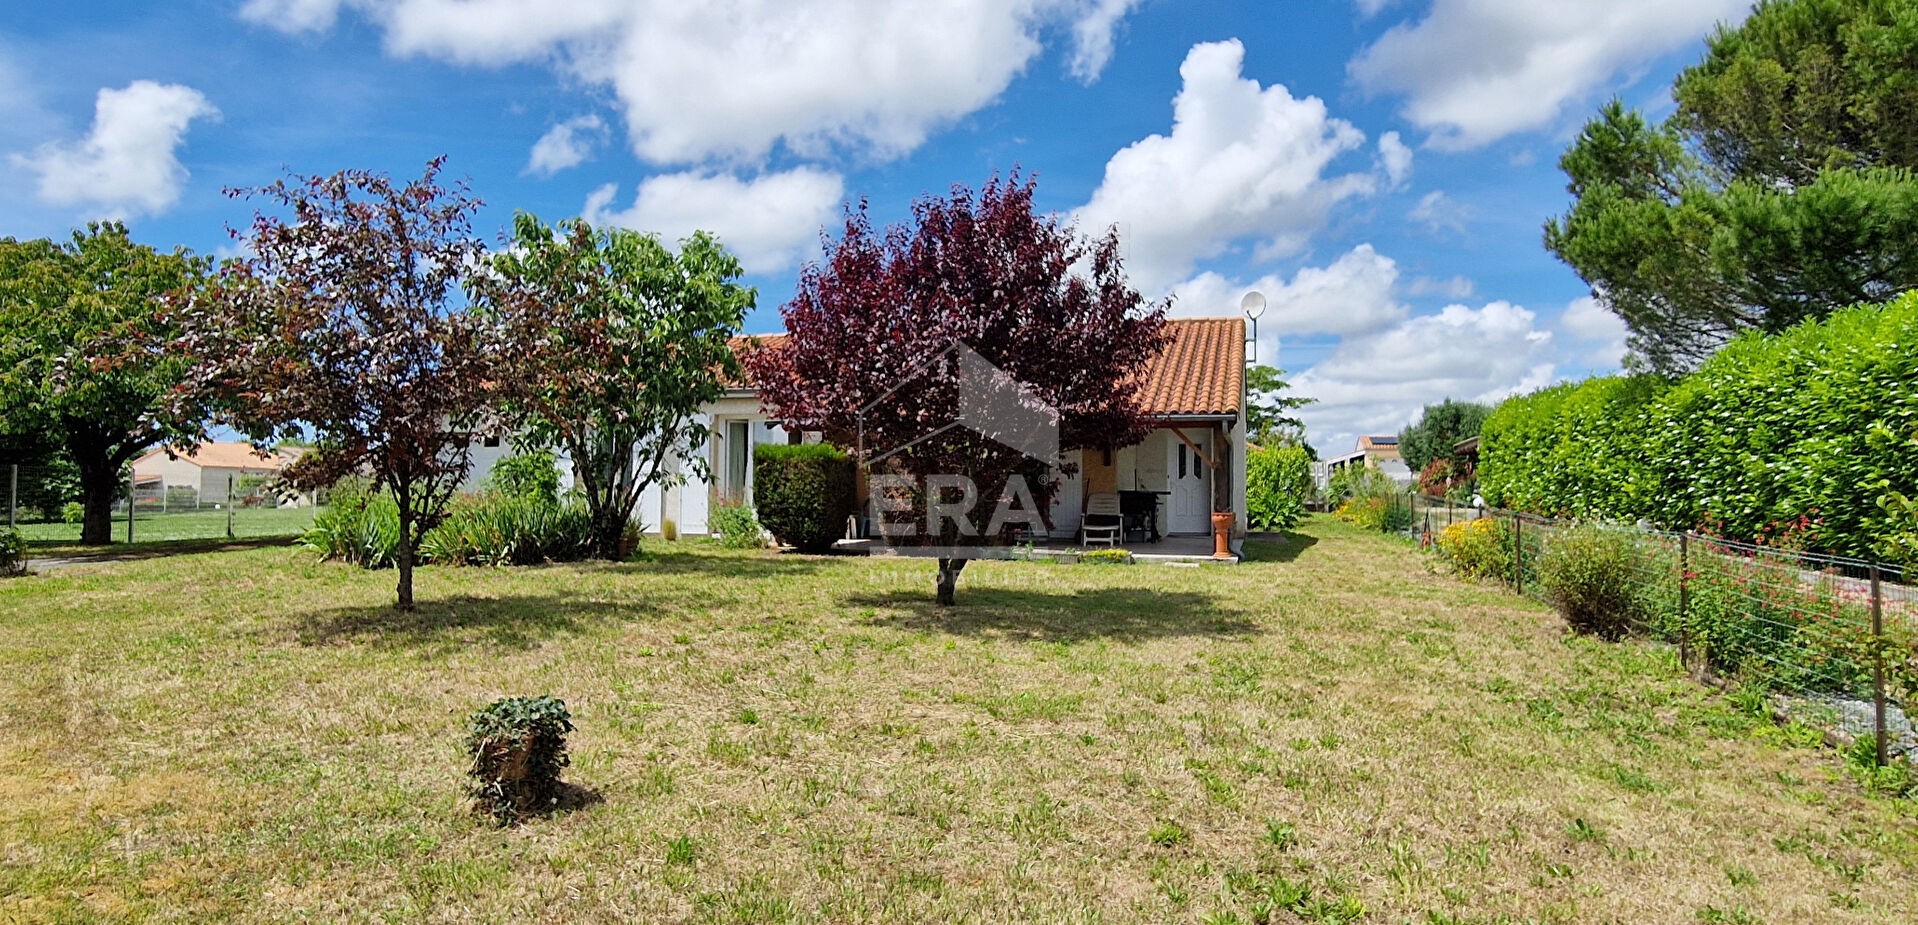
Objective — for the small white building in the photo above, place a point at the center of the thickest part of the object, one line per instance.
(215, 474)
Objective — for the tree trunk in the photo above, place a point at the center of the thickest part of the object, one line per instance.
(608, 529)
(407, 544)
(949, 570)
(98, 484)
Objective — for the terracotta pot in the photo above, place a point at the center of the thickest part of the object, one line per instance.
(1222, 534)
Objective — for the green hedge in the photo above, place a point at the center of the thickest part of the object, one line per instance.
(1278, 480)
(1810, 426)
(803, 493)
(1570, 449)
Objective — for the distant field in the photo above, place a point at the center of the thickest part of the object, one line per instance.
(248, 523)
(1327, 733)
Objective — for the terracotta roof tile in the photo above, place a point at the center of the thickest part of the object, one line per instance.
(1201, 371)
(230, 456)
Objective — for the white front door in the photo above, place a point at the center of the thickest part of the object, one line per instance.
(1189, 509)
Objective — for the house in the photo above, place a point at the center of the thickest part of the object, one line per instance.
(1193, 461)
(1379, 452)
(213, 474)
(1190, 464)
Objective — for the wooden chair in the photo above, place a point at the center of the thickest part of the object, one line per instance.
(1103, 521)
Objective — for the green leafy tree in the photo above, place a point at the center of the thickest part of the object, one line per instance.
(82, 326)
(342, 324)
(1780, 189)
(616, 343)
(1439, 428)
(1270, 413)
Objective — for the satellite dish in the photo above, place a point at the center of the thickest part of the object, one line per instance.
(1253, 304)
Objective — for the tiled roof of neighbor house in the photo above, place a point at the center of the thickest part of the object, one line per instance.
(229, 456)
(1200, 371)
(1379, 441)
(741, 342)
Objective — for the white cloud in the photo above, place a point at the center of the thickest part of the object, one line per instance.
(1351, 295)
(1474, 71)
(1395, 157)
(1242, 161)
(1455, 287)
(1439, 212)
(1092, 36)
(768, 220)
(293, 15)
(734, 79)
(566, 145)
(1377, 383)
(1371, 8)
(126, 165)
(1600, 333)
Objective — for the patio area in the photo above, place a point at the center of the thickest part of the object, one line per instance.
(1189, 550)
(1172, 549)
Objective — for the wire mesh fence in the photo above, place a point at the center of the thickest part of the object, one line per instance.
(45, 504)
(1829, 636)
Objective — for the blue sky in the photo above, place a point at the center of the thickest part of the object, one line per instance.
(1379, 169)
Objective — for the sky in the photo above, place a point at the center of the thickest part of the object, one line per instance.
(1379, 169)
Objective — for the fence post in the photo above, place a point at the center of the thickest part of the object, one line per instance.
(1878, 664)
(1685, 599)
(229, 507)
(1518, 553)
(133, 485)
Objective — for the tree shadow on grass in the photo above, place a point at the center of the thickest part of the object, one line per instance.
(514, 622)
(1124, 614)
(655, 561)
(1277, 547)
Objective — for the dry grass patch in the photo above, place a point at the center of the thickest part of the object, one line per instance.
(1328, 733)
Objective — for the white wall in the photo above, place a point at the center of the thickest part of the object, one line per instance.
(1068, 505)
(484, 459)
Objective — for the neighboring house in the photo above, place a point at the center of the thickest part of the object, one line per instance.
(204, 476)
(1193, 461)
(1379, 452)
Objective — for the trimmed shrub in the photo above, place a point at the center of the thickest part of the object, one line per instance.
(1573, 449)
(735, 526)
(517, 748)
(1278, 480)
(532, 475)
(1479, 548)
(1802, 426)
(1593, 577)
(803, 493)
(13, 553)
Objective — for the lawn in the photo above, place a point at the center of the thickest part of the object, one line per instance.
(251, 735)
(150, 528)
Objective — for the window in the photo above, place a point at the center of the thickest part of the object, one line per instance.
(490, 441)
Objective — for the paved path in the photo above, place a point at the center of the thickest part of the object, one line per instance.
(185, 547)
